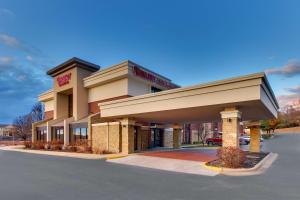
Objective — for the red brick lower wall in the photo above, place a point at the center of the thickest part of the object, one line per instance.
(94, 108)
(49, 114)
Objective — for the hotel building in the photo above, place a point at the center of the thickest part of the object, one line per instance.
(128, 108)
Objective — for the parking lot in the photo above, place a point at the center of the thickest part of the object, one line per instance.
(28, 176)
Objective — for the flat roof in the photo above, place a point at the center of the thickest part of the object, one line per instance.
(251, 94)
(125, 67)
(204, 85)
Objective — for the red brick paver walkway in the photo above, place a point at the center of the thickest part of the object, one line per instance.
(193, 155)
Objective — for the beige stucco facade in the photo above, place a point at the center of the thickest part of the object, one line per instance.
(127, 108)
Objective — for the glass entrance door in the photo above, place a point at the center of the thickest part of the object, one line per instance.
(157, 137)
(135, 139)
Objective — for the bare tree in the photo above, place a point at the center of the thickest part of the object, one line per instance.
(23, 123)
(202, 134)
(23, 126)
(37, 112)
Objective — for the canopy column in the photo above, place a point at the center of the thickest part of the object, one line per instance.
(127, 135)
(48, 127)
(176, 136)
(231, 127)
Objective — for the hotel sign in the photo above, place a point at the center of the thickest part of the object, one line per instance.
(152, 78)
(64, 79)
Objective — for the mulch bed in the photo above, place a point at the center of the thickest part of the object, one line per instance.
(251, 160)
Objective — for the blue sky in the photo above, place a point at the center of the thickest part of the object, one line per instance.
(188, 41)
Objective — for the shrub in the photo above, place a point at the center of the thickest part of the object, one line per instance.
(56, 145)
(47, 145)
(82, 146)
(231, 157)
(101, 151)
(71, 148)
(27, 144)
(106, 152)
(37, 145)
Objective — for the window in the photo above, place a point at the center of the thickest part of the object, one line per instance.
(155, 89)
(79, 133)
(41, 134)
(83, 132)
(44, 135)
(58, 133)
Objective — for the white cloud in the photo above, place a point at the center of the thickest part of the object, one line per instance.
(13, 42)
(21, 77)
(295, 90)
(6, 60)
(289, 99)
(5, 11)
(29, 58)
(9, 40)
(292, 68)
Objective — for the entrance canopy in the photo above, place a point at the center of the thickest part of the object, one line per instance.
(251, 95)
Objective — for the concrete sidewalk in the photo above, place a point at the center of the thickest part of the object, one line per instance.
(167, 164)
(20, 148)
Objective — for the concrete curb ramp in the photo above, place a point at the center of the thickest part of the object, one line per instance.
(259, 168)
(166, 164)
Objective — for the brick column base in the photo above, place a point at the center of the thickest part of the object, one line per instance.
(127, 136)
(254, 139)
(176, 142)
(230, 127)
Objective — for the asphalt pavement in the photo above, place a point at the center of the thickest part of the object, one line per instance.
(28, 176)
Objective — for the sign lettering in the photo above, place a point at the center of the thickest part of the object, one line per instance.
(152, 78)
(64, 80)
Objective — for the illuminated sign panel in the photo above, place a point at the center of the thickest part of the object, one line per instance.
(152, 78)
(63, 80)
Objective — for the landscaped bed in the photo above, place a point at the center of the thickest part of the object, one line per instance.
(80, 146)
(250, 161)
(234, 158)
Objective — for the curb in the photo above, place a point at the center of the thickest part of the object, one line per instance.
(212, 168)
(259, 168)
(115, 157)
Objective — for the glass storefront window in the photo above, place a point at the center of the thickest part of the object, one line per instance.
(83, 132)
(58, 133)
(79, 134)
(41, 134)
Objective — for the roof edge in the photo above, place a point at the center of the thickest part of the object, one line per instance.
(197, 86)
(265, 78)
(82, 63)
